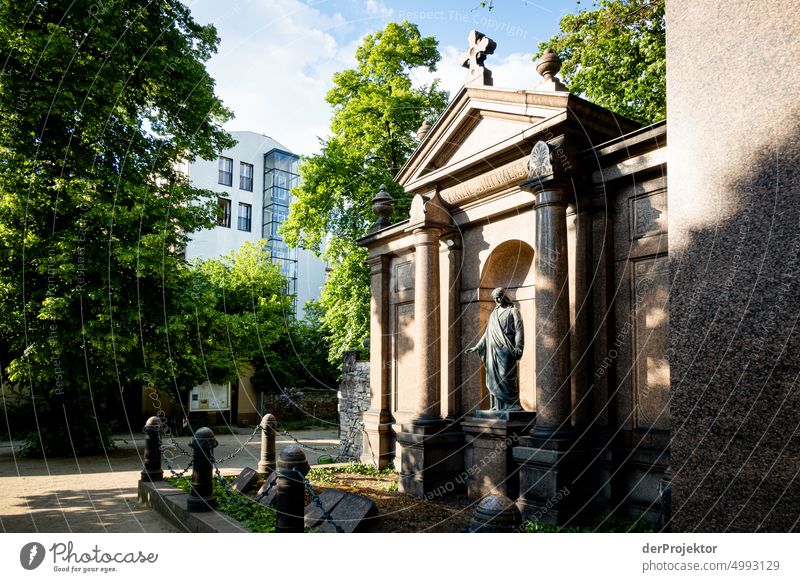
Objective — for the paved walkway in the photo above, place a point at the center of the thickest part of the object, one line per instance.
(98, 493)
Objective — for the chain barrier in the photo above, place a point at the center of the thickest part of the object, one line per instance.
(269, 486)
(318, 502)
(175, 444)
(310, 447)
(162, 448)
(241, 448)
(235, 496)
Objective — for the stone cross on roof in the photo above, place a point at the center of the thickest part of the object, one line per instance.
(480, 45)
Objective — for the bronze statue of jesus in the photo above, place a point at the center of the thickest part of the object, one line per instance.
(500, 348)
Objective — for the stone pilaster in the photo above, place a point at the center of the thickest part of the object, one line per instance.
(580, 344)
(451, 255)
(378, 447)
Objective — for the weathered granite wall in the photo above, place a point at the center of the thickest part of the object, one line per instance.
(734, 242)
(354, 400)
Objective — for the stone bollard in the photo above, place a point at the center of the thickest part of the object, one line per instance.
(201, 497)
(291, 494)
(268, 429)
(496, 514)
(152, 450)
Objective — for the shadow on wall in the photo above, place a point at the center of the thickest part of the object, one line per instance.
(735, 352)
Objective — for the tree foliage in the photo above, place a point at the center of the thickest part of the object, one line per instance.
(98, 101)
(225, 314)
(376, 111)
(615, 56)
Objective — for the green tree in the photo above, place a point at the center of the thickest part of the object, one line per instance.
(376, 110)
(227, 314)
(98, 102)
(615, 56)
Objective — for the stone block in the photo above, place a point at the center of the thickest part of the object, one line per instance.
(245, 481)
(353, 513)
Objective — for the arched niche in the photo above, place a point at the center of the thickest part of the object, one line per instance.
(510, 265)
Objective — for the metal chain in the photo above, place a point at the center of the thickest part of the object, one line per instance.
(309, 447)
(175, 473)
(175, 444)
(231, 494)
(240, 449)
(272, 484)
(318, 502)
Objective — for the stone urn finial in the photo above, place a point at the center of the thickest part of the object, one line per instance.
(548, 67)
(423, 130)
(382, 206)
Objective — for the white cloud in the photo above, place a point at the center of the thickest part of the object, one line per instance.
(274, 66)
(377, 8)
(513, 71)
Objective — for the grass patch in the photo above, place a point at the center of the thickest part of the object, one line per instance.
(595, 525)
(328, 474)
(255, 517)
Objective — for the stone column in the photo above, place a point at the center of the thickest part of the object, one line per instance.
(378, 419)
(553, 402)
(426, 322)
(553, 466)
(581, 329)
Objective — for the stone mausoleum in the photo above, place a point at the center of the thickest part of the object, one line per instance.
(562, 203)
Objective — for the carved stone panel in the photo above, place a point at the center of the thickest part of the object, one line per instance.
(404, 276)
(648, 215)
(651, 327)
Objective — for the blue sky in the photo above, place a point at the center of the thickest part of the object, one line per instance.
(277, 57)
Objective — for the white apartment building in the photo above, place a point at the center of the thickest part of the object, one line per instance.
(253, 182)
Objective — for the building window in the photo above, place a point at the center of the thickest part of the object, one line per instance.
(225, 212)
(245, 177)
(225, 171)
(245, 216)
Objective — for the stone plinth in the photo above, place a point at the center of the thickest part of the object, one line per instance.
(489, 466)
(432, 459)
(554, 479)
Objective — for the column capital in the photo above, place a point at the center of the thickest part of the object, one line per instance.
(379, 263)
(427, 235)
(554, 195)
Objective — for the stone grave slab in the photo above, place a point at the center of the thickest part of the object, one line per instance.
(245, 481)
(329, 498)
(353, 513)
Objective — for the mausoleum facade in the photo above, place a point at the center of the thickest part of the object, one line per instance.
(563, 204)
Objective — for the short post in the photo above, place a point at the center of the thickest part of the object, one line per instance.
(201, 497)
(291, 490)
(496, 514)
(152, 450)
(269, 426)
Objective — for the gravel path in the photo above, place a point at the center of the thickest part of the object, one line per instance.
(98, 493)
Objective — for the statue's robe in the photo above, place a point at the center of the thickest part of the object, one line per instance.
(500, 348)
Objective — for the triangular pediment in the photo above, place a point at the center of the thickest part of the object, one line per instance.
(477, 130)
(475, 123)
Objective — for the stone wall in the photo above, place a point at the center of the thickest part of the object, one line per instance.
(354, 400)
(734, 243)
